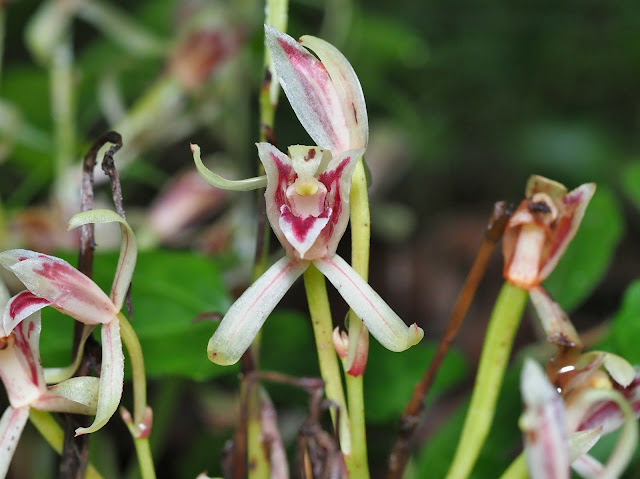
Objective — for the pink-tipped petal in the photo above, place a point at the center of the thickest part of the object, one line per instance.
(347, 87)
(544, 425)
(554, 320)
(358, 354)
(111, 377)
(21, 306)
(11, 426)
(340, 342)
(574, 206)
(310, 91)
(65, 287)
(385, 325)
(247, 315)
(128, 249)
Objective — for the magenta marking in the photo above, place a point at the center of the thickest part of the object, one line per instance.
(23, 301)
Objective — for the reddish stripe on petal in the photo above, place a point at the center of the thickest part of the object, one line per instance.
(24, 300)
(364, 295)
(311, 70)
(255, 301)
(300, 226)
(285, 178)
(22, 343)
(331, 180)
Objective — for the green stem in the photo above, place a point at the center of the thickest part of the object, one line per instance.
(327, 358)
(54, 435)
(63, 110)
(503, 324)
(360, 241)
(141, 419)
(517, 469)
(131, 342)
(276, 15)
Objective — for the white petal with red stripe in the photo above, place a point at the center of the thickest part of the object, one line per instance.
(383, 323)
(247, 315)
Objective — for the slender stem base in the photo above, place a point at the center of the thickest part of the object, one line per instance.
(503, 324)
(327, 359)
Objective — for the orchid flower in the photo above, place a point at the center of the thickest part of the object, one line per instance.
(307, 197)
(23, 378)
(561, 425)
(51, 281)
(540, 230)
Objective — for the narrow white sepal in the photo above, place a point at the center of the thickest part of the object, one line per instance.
(310, 91)
(11, 426)
(222, 183)
(347, 87)
(111, 377)
(128, 249)
(247, 315)
(383, 323)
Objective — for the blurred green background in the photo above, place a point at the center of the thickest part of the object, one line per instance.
(465, 99)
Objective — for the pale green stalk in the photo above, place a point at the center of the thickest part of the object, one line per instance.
(63, 113)
(140, 437)
(517, 469)
(54, 435)
(275, 15)
(503, 324)
(360, 241)
(327, 358)
(131, 342)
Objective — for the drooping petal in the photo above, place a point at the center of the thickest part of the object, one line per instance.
(554, 320)
(21, 306)
(310, 91)
(57, 281)
(544, 425)
(78, 395)
(11, 426)
(385, 325)
(246, 316)
(574, 204)
(128, 249)
(347, 87)
(222, 183)
(111, 377)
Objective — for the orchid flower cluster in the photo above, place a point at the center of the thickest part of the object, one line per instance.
(589, 395)
(307, 197)
(51, 281)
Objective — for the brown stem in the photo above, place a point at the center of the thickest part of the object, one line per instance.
(412, 412)
(75, 450)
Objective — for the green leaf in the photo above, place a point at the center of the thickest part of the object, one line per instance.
(587, 258)
(625, 327)
(630, 180)
(170, 289)
(390, 378)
